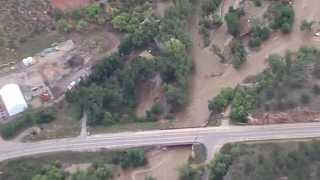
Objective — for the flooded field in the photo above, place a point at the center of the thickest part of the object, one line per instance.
(163, 165)
(205, 87)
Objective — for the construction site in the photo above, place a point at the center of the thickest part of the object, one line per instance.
(46, 76)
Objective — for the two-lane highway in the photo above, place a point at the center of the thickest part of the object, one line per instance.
(212, 137)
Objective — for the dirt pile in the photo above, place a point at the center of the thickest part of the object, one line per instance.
(64, 5)
(293, 116)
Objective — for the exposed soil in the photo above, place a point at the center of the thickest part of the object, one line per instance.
(20, 22)
(162, 5)
(69, 4)
(204, 87)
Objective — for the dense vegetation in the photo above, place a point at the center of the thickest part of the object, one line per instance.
(109, 94)
(79, 19)
(288, 82)
(221, 101)
(259, 34)
(238, 54)
(307, 25)
(294, 161)
(219, 166)
(281, 16)
(25, 120)
(209, 18)
(233, 21)
(243, 102)
(104, 166)
(187, 172)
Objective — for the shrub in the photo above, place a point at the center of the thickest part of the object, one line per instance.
(306, 25)
(305, 98)
(81, 25)
(257, 3)
(187, 172)
(282, 16)
(220, 102)
(239, 54)
(64, 25)
(27, 119)
(242, 103)
(258, 35)
(157, 108)
(233, 22)
(176, 96)
(219, 166)
(316, 89)
(286, 28)
(133, 158)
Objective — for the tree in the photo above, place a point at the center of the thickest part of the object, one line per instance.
(150, 178)
(50, 173)
(176, 96)
(239, 54)
(133, 158)
(104, 172)
(258, 35)
(219, 166)
(306, 25)
(286, 28)
(242, 103)
(233, 22)
(282, 16)
(186, 172)
(220, 102)
(175, 46)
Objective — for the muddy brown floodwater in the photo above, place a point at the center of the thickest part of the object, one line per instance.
(205, 87)
(162, 164)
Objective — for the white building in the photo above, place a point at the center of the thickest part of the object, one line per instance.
(13, 99)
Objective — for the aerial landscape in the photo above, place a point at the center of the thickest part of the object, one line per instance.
(159, 90)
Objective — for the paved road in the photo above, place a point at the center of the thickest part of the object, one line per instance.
(212, 137)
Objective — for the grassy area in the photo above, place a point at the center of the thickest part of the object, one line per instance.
(282, 160)
(134, 126)
(26, 168)
(65, 125)
(20, 22)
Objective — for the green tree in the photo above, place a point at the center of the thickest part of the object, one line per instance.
(150, 178)
(233, 22)
(282, 16)
(104, 172)
(186, 172)
(50, 173)
(219, 166)
(175, 46)
(176, 96)
(220, 102)
(306, 25)
(239, 54)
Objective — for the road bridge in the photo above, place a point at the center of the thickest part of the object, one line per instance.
(212, 137)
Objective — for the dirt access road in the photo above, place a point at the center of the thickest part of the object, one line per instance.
(205, 87)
